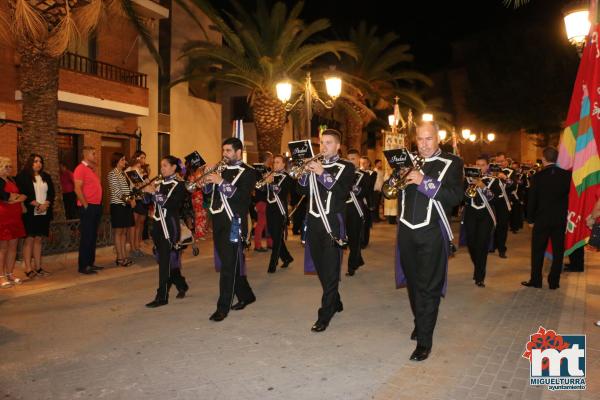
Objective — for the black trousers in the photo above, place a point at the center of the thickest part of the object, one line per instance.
(539, 241)
(327, 259)
(168, 274)
(479, 227)
(89, 219)
(516, 216)
(276, 224)
(298, 218)
(366, 229)
(502, 221)
(576, 259)
(230, 282)
(375, 206)
(354, 230)
(70, 202)
(424, 256)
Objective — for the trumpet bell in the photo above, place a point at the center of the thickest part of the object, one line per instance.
(389, 191)
(471, 191)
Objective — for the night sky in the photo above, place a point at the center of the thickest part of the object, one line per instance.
(430, 26)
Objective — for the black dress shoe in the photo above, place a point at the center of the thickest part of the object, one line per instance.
(421, 353)
(502, 254)
(413, 335)
(157, 303)
(88, 271)
(181, 294)
(350, 273)
(271, 269)
(218, 316)
(531, 284)
(480, 284)
(240, 305)
(340, 307)
(286, 263)
(97, 268)
(553, 286)
(319, 326)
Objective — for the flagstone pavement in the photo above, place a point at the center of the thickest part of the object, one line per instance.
(79, 337)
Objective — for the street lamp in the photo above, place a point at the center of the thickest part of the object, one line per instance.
(479, 138)
(577, 24)
(466, 134)
(333, 86)
(427, 117)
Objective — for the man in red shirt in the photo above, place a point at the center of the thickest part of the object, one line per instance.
(89, 199)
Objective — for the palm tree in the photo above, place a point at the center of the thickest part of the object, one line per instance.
(40, 32)
(259, 49)
(380, 72)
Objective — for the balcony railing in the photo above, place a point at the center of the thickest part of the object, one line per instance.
(75, 62)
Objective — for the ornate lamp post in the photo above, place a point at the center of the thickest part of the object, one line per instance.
(333, 85)
(577, 24)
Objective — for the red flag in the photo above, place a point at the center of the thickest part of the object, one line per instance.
(579, 144)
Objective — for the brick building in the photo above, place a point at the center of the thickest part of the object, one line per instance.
(111, 95)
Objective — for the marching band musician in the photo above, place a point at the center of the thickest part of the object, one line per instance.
(230, 194)
(168, 197)
(355, 213)
(502, 205)
(278, 188)
(424, 235)
(326, 186)
(517, 198)
(479, 219)
(365, 166)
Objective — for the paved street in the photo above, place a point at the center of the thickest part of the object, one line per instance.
(74, 337)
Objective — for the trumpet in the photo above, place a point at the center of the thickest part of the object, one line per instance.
(299, 169)
(263, 182)
(397, 182)
(137, 192)
(198, 182)
(471, 190)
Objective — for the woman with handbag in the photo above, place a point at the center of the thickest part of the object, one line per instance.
(11, 223)
(37, 185)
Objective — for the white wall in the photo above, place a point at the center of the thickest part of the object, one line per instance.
(195, 125)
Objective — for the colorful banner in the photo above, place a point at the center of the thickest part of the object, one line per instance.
(578, 149)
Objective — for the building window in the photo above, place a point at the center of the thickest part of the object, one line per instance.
(68, 149)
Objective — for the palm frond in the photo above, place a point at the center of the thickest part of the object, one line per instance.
(229, 36)
(64, 33)
(514, 3)
(185, 6)
(28, 23)
(309, 52)
(139, 24)
(88, 17)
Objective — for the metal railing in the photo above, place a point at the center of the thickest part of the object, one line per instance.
(64, 236)
(75, 62)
